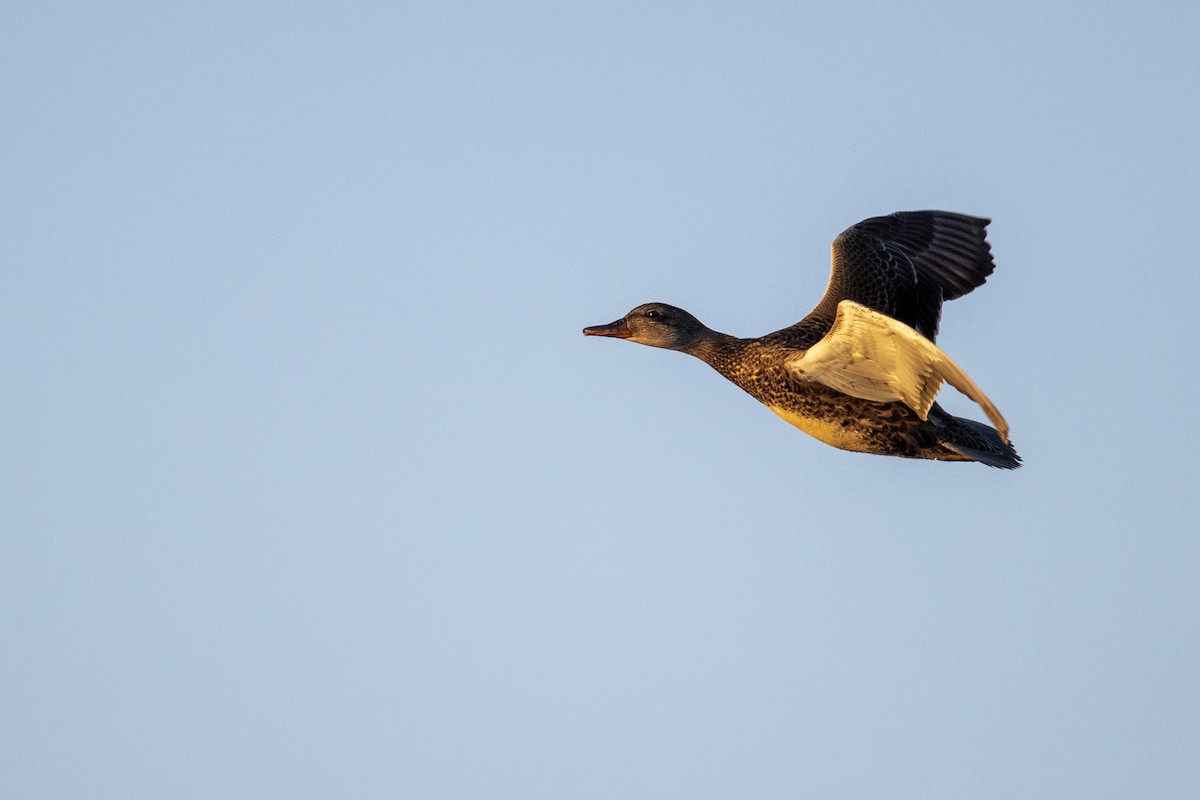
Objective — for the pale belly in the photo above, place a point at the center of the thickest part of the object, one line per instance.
(831, 433)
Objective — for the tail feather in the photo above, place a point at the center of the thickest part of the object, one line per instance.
(975, 440)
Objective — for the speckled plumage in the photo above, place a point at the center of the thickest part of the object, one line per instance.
(903, 266)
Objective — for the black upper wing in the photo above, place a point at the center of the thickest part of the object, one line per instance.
(904, 265)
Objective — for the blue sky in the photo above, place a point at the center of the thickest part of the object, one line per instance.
(313, 488)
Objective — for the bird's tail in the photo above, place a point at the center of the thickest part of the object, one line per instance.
(975, 441)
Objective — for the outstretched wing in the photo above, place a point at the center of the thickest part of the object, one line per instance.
(875, 357)
(905, 265)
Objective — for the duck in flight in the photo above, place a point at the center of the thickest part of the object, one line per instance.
(861, 371)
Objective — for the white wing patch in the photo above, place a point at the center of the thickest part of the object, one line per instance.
(871, 356)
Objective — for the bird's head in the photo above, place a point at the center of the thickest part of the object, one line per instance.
(657, 325)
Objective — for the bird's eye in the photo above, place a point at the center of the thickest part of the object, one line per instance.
(653, 314)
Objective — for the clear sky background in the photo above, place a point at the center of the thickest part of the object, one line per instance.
(312, 488)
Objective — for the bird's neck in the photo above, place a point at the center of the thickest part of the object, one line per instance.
(719, 350)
